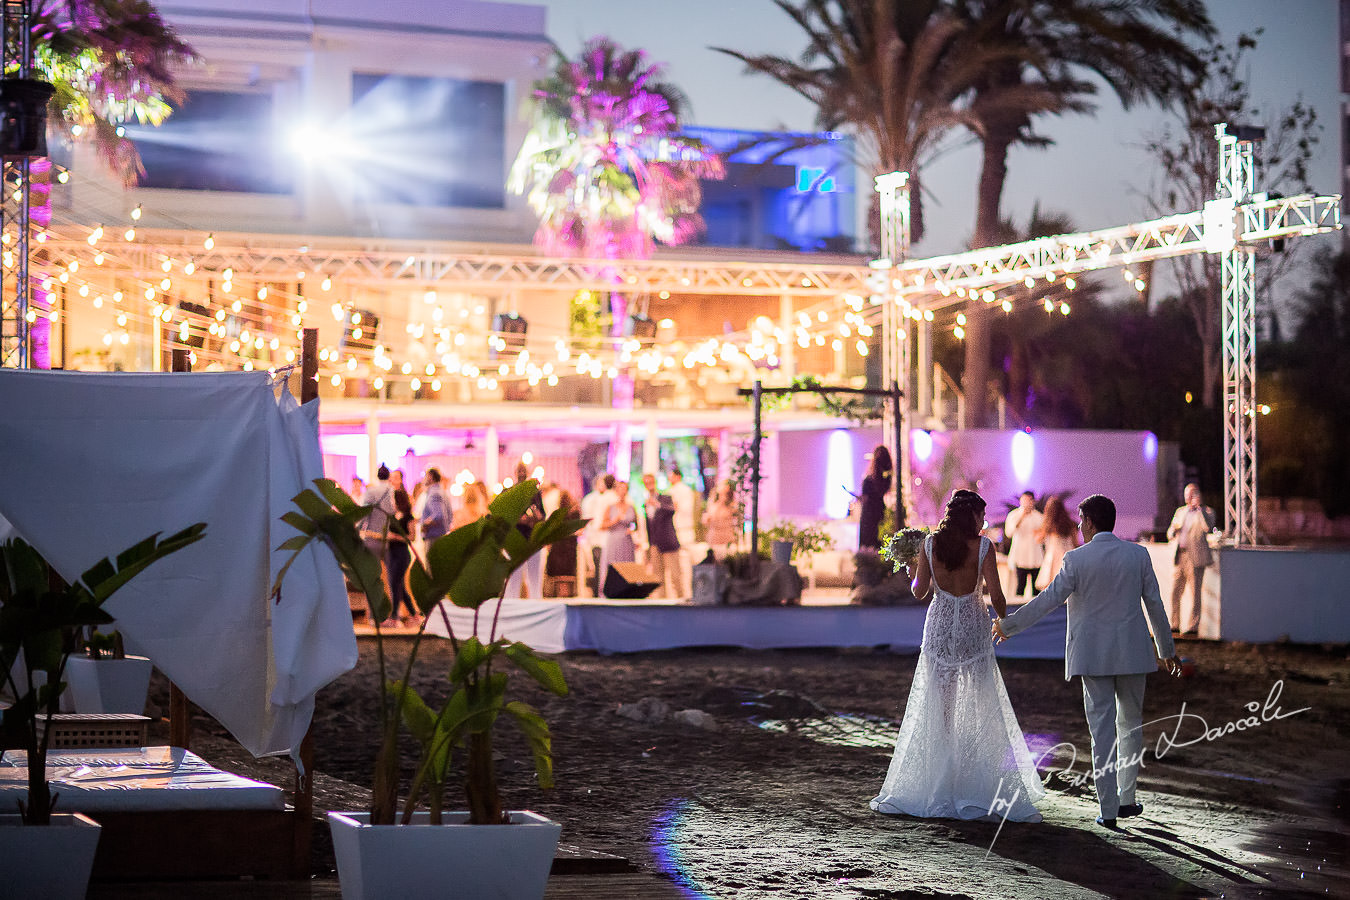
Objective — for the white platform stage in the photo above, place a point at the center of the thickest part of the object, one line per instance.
(631, 626)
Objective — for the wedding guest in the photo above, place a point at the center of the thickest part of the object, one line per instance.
(1025, 554)
(358, 488)
(374, 528)
(685, 502)
(397, 559)
(473, 505)
(530, 575)
(721, 521)
(436, 513)
(376, 523)
(593, 506)
(1189, 531)
(1059, 533)
(872, 496)
(663, 550)
(617, 524)
(551, 494)
(561, 561)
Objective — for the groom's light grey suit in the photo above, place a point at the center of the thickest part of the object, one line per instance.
(1109, 585)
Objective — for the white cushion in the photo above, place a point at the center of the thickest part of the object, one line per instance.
(136, 779)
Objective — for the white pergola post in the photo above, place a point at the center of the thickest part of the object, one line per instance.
(651, 448)
(372, 448)
(492, 454)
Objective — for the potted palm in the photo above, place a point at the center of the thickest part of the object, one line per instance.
(39, 617)
(416, 853)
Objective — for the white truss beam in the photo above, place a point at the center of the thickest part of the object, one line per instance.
(931, 283)
(466, 267)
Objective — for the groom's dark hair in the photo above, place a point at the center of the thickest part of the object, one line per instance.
(1100, 511)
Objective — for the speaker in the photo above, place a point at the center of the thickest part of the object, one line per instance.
(628, 581)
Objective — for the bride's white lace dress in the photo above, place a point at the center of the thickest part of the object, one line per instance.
(960, 746)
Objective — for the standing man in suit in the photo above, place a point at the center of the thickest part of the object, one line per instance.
(1113, 602)
(1190, 528)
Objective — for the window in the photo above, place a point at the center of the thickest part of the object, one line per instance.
(215, 141)
(430, 141)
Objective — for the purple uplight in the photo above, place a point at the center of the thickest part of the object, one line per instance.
(40, 213)
(667, 850)
(1042, 748)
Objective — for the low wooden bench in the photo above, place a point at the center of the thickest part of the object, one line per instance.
(77, 731)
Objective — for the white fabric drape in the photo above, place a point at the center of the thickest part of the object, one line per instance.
(92, 463)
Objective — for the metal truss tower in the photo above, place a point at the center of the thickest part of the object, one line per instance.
(895, 358)
(1236, 183)
(1229, 225)
(16, 60)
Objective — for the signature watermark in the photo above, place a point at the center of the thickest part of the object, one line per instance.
(1188, 729)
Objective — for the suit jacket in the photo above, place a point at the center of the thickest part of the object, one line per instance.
(1201, 555)
(1109, 585)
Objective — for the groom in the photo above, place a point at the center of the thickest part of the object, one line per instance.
(1108, 644)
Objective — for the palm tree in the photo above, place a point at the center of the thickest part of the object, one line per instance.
(1138, 49)
(604, 163)
(110, 62)
(898, 74)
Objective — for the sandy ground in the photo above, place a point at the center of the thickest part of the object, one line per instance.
(773, 802)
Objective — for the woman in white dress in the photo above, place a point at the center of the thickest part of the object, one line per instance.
(1059, 533)
(960, 753)
(617, 524)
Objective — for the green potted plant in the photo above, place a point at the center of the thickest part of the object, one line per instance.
(419, 852)
(801, 540)
(39, 617)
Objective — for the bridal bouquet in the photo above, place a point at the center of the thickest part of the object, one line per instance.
(903, 547)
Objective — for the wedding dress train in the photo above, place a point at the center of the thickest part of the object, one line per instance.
(960, 753)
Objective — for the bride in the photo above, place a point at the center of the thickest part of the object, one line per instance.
(960, 753)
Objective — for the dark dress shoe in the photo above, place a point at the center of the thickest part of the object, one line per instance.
(1107, 823)
(1130, 810)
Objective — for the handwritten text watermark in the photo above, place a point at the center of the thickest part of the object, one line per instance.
(1188, 729)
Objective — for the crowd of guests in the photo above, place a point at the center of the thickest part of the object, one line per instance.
(1038, 540)
(659, 531)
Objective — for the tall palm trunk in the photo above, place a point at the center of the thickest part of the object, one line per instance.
(979, 315)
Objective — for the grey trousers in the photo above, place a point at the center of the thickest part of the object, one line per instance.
(1115, 712)
(668, 571)
(1194, 575)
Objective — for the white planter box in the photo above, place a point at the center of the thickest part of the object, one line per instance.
(448, 861)
(107, 685)
(51, 863)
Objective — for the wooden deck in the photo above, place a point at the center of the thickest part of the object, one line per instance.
(619, 885)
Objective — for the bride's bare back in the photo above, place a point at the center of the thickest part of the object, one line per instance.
(961, 580)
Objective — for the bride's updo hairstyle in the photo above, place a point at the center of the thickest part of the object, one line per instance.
(959, 526)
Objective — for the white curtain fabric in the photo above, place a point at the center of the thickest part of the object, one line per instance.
(92, 463)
